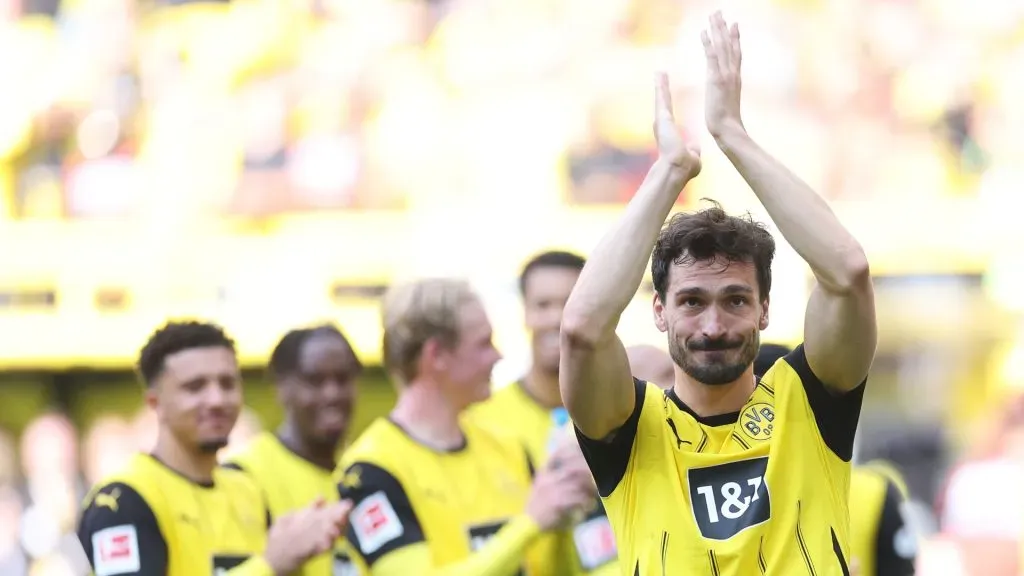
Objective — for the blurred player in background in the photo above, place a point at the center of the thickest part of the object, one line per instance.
(725, 474)
(315, 372)
(175, 512)
(434, 493)
(531, 408)
(651, 364)
(882, 544)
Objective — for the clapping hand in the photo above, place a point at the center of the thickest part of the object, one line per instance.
(722, 98)
(673, 146)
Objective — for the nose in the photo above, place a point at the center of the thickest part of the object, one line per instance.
(711, 324)
(216, 396)
(334, 391)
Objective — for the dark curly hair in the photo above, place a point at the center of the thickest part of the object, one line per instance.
(175, 337)
(711, 234)
(284, 360)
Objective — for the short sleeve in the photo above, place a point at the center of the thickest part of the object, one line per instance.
(120, 534)
(608, 458)
(382, 518)
(897, 544)
(836, 414)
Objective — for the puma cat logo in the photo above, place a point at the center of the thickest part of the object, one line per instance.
(679, 442)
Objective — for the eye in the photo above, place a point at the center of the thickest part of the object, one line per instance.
(737, 301)
(691, 303)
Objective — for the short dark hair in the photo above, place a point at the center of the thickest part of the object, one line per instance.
(284, 360)
(767, 356)
(175, 337)
(550, 259)
(711, 234)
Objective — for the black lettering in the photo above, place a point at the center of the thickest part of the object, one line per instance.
(729, 498)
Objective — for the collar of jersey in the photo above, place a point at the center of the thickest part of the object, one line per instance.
(453, 450)
(727, 419)
(179, 474)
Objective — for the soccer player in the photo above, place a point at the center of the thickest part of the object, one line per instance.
(651, 364)
(881, 542)
(722, 474)
(315, 371)
(434, 493)
(175, 512)
(531, 408)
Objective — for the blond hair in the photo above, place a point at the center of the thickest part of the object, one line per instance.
(415, 312)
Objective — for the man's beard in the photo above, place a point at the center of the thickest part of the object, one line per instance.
(714, 373)
(212, 446)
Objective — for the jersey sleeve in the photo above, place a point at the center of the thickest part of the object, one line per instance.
(836, 414)
(896, 546)
(382, 518)
(120, 534)
(608, 457)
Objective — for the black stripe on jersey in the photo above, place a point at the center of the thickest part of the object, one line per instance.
(374, 480)
(664, 552)
(740, 441)
(713, 562)
(839, 552)
(760, 557)
(835, 414)
(800, 541)
(703, 441)
(636, 568)
(767, 388)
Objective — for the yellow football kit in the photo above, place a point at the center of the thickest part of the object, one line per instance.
(882, 543)
(761, 491)
(589, 547)
(421, 511)
(290, 482)
(148, 520)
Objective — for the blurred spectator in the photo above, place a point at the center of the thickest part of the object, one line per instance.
(106, 447)
(9, 472)
(12, 559)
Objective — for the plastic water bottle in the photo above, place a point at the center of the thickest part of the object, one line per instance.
(559, 418)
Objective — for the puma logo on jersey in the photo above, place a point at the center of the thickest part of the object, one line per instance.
(679, 442)
(351, 479)
(108, 500)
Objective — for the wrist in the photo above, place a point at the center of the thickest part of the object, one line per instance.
(676, 176)
(729, 135)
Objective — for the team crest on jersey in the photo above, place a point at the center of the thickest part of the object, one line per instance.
(758, 421)
(352, 479)
(726, 499)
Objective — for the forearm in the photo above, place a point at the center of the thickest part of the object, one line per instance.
(616, 267)
(502, 555)
(801, 215)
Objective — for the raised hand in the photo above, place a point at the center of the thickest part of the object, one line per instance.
(673, 146)
(722, 97)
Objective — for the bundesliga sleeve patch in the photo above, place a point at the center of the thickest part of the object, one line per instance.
(595, 543)
(115, 550)
(375, 523)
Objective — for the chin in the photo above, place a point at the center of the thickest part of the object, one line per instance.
(212, 445)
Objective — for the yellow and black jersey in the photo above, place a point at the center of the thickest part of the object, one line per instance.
(148, 520)
(587, 548)
(761, 491)
(288, 483)
(882, 542)
(422, 511)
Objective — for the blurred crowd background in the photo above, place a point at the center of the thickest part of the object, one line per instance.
(271, 163)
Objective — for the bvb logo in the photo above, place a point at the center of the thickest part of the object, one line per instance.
(758, 421)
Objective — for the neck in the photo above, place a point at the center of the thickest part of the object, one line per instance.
(313, 452)
(707, 400)
(542, 386)
(428, 416)
(196, 466)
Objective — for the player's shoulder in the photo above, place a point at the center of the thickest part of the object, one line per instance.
(500, 407)
(382, 444)
(882, 471)
(260, 450)
(132, 478)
